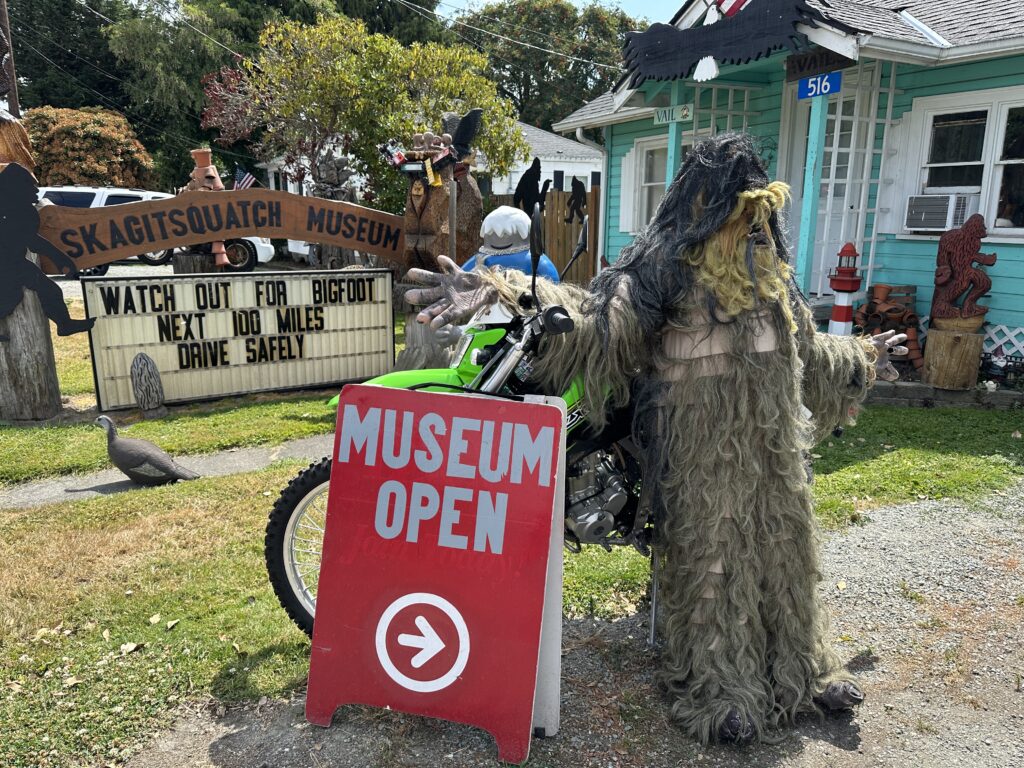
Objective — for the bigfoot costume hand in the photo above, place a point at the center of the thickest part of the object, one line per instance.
(887, 345)
(454, 295)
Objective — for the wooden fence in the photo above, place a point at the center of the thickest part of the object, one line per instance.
(560, 238)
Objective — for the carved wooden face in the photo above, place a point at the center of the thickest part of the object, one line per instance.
(418, 190)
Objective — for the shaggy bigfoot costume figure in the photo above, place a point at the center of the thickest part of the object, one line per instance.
(700, 326)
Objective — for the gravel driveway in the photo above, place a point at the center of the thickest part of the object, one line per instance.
(927, 602)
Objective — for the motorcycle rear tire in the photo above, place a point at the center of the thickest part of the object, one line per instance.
(292, 545)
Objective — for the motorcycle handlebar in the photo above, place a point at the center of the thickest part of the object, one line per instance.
(556, 320)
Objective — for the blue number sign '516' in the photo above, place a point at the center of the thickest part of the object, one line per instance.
(820, 85)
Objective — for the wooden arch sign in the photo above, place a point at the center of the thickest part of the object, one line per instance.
(95, 236)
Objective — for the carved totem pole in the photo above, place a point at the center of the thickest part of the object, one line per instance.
(953, 349)
(437, 168)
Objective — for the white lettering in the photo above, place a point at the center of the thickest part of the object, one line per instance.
(356, 434)
(458, 446)
(430, 460)
(422, 506)
(535, 453)
(391, 491)
(450, 518)
(490, 522)
(500, 469)
(400, 459)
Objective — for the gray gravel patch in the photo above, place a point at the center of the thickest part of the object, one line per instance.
(927, 603)
(230, 462)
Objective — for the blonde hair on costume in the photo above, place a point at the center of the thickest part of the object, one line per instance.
(720, 262)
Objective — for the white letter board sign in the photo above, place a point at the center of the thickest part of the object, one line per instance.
(215, 335)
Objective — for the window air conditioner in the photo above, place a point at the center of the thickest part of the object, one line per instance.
(939, 213)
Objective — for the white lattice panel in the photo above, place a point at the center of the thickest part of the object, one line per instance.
(1010, 339)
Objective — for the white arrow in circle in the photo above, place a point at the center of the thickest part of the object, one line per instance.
(427, 641)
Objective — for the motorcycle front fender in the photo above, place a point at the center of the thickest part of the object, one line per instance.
(409, 379)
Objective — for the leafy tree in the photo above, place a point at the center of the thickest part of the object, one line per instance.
(394, 19)
(90, 146)
(71, 37)
(313, 88)
(545, 87)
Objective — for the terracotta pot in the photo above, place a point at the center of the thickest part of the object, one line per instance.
(880, 292)
(913, 345)
(202, 157)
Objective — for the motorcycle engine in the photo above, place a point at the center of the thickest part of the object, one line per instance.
(596, 494)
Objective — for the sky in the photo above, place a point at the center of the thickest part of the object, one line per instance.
(654, 10)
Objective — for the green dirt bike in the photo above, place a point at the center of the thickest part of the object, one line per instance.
(603, 501)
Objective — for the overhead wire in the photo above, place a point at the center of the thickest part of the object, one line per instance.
(181, 142)
(509, 39)
(490, 52)
(509, 24)
(122, 81)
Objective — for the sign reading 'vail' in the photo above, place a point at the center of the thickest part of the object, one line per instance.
(94, 236)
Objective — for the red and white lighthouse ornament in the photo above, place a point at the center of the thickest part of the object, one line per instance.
(844, 282)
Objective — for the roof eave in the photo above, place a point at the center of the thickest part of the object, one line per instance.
(918, 53)
(611, 118)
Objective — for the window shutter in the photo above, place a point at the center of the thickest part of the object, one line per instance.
(627, 193)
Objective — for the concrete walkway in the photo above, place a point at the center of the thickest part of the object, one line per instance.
(77, 487)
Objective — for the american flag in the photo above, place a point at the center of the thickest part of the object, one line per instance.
(243, 179)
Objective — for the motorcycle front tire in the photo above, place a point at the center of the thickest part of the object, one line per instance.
(294, 541)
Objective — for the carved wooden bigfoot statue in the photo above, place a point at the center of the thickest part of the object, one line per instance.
(955, 273)
(431, 165)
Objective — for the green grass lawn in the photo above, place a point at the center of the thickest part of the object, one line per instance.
(29, 453)
(114, 610)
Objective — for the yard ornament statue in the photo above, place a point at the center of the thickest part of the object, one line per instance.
(956, 275)
(506, 235)
(204, 177)
(700, 326)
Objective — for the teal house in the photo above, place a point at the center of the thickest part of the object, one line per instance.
(922, 127)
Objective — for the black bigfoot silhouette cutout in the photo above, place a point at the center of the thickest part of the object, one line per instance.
(19, 233)
(577, 200)
(528, 189)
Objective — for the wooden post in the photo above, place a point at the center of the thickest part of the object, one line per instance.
(192, 262)
(809, 204)
(13, 105)
(29, 390)
(952, 358)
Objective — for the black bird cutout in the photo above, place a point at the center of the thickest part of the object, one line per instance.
(463, 130)
(664, 52)
(143, 462)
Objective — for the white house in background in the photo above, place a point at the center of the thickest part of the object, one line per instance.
(277, 179)
(556, 153)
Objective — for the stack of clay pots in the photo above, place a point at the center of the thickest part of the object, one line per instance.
(891, 308)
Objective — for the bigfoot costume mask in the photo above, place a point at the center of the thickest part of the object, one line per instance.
(700, 327)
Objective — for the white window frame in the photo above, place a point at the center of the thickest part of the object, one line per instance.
(916, 145)
(640, 148)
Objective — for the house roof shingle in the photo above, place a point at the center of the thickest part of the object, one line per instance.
(545, 144)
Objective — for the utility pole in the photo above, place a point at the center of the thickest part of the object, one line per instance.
(13, 106)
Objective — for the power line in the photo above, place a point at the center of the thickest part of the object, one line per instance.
(492, 54)
(503, 23)
(122, 82)
(509, 39)
(184, 20)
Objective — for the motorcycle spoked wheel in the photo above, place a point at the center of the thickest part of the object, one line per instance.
(294, 542)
